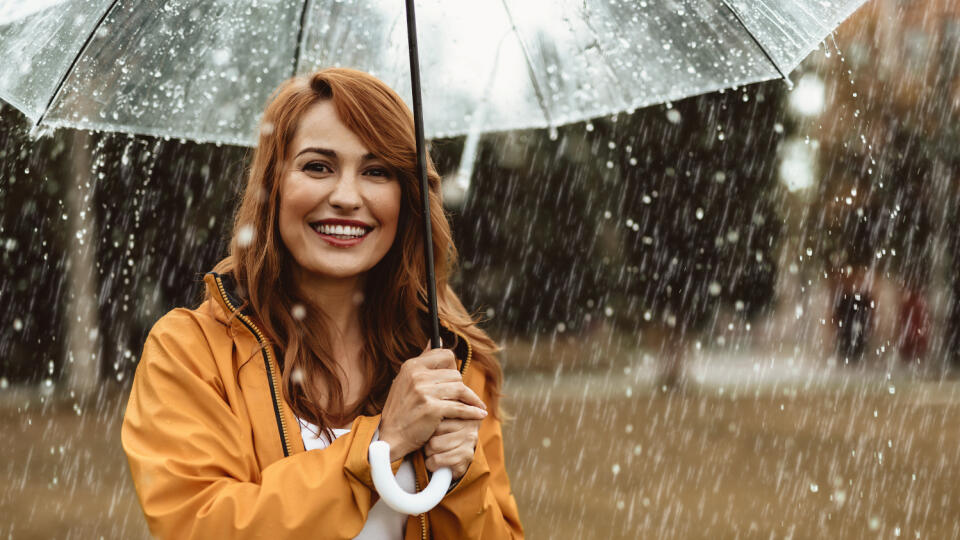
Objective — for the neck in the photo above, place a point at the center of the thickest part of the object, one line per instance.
(340, 299)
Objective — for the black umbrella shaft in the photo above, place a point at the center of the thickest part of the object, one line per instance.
(422, 172)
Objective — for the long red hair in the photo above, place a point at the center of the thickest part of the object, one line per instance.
(395, 294)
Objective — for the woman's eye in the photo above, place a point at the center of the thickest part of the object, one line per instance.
(377, 171)
(316, 166)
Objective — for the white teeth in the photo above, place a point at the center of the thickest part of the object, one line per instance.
(340, 230)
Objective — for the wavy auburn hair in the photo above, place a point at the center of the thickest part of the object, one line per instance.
(395, 290)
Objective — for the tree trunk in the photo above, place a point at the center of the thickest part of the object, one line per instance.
(82, 366)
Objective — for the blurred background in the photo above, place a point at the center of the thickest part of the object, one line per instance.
(732, 316)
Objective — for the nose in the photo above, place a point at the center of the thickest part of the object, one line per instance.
(346, 193)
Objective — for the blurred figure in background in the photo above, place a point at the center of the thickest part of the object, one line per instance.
(853, 315)
(913, 326)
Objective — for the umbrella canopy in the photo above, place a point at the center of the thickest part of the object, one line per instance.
(203, 70)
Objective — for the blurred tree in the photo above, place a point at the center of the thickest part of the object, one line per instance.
(33, 240)
(700, 184)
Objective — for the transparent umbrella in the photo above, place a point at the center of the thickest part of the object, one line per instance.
(203, 70)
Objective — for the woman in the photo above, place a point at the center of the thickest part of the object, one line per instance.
(251, 415)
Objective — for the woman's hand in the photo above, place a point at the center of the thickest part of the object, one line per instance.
(427, 389)
(453, 445)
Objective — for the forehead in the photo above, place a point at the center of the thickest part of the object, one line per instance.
(320, 126)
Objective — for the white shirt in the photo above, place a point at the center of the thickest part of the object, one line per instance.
(383, 522)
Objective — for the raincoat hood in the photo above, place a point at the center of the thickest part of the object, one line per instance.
(215, 449)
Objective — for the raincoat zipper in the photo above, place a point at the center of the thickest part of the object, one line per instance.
(421, 517)
(268, 360)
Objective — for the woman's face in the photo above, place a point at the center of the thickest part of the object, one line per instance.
(339, 204)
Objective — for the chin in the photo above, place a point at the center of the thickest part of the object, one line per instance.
(337, 272)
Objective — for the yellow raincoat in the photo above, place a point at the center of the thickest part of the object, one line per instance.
(215, 451)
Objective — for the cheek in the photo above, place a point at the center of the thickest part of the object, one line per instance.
(388, 206)
(294, 205)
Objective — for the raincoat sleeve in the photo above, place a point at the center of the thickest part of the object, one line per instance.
(481, 505)
(191, 454)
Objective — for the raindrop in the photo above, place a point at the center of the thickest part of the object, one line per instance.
(715, 288)
(546, 442)
(245, 236)
(221, 57)
(673, 116)
(17, 325)
(814, 488)
(298, 311)
(296, 376)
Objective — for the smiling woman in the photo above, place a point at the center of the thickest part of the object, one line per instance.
(339, 203)
(315, 321)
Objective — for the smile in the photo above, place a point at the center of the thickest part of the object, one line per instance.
(341, 235)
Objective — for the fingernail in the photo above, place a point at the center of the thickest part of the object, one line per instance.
(483, 412)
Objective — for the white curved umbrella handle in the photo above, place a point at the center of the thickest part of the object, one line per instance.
(392, 494)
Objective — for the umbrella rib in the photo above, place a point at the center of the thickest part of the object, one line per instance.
(763, 49)
(541, 100)
(299, 45)
(83, 49)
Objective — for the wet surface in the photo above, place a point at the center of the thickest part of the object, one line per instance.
(855, 455)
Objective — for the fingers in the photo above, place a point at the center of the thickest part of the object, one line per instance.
(439, 444)
(456, 409)
(458, 460)
(438, 359)
(470, 397)
(454, 390)
(450, 425)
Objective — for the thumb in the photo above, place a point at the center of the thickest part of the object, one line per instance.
(429, 345)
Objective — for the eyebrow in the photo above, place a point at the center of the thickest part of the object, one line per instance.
(330, 153)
